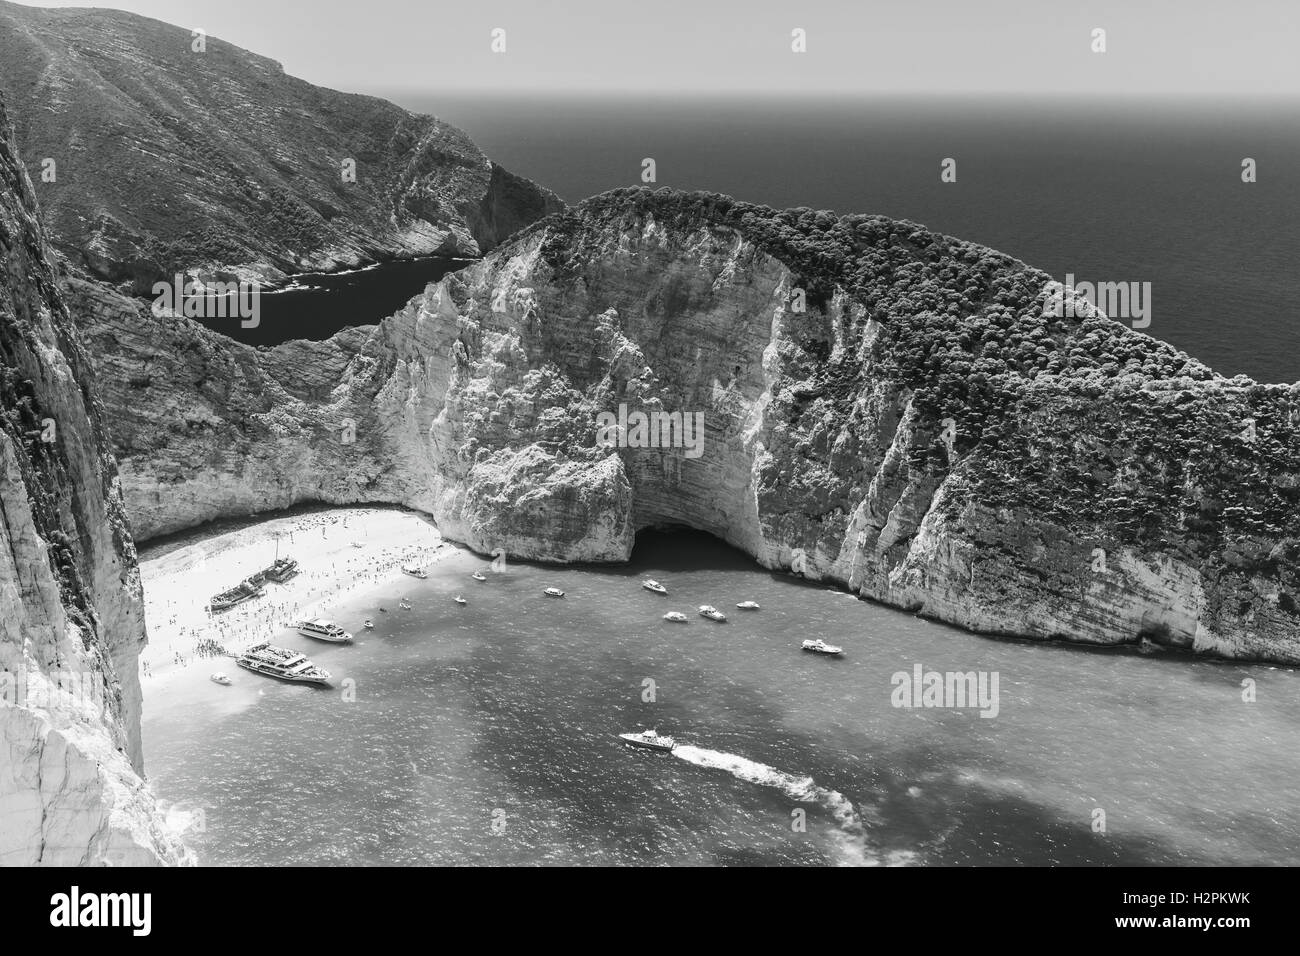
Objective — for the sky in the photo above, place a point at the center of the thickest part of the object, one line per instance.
(1200, 48)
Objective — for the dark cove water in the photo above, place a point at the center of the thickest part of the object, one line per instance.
(315, 305)
(487, 734)
(1134, 190)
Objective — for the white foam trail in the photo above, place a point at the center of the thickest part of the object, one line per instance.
(850, 835)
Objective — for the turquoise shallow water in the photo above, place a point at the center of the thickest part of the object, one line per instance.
(486, 734)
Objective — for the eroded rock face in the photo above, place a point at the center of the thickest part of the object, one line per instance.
(169, 159)
(883, 408)
(71, 615)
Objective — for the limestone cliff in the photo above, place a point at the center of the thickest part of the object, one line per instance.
(884, 408)
(71, 615)
(167, 157)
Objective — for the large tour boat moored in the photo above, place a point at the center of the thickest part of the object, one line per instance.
(282, 664)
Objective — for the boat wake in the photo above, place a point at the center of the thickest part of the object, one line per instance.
(850, 833)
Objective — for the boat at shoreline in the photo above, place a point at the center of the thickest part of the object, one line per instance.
(323, 630)
(282, 664)
(415, 571)
(245, 590)
(651, 585)
(281, 570)
(819, 646)
(712, 613)
(649, 740)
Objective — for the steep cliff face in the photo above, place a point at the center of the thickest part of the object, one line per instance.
(882, 407)
(168, 158)
(71, 616)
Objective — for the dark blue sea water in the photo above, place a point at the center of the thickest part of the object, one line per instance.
(1136, 190)
(487, 734)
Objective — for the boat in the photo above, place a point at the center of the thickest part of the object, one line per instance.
(649, 740)
(324, 630)
(282, 664)
(368, 625)
(479, 576)
(819, 646)
(282, 570)
(676, 616)
(459, 600)
(404, 604)
(712, 613)
(748, 605)
(553, 592)
(222, 679)
(383, 610)
(245, 590)
(651, 585)
(415, 571)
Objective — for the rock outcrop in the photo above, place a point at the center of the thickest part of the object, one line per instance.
(71, 614)
(168, 158)
(888, 409)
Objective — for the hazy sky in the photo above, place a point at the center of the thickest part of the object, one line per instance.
(1199, 47)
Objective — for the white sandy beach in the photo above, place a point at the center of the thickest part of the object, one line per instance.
(341, 554)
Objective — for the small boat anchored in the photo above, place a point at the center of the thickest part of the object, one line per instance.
(748, 605)
(675, 616)
(649, 740)
(479, 576)
(415, 571)
(819, 646)
(369, 624)
(553, 592)
(404, 604)
(459, 600)
(324, 630)
(222, 679)
(651, 585)
(712, 613)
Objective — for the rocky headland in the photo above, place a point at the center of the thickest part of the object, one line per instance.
(167, 158)
(885, 408)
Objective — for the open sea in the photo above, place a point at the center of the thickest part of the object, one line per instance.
(487, 734)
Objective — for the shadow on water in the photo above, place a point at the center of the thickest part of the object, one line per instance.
(316, 305)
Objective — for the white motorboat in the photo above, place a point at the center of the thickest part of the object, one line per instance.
(819, 646)
(479, 576)
(652, 585)
(553, 592)
(675, 616)
(712, 613)
(323, 630)
(415, 571)
(404, 604)
(459, 600)
(649, 740)
(369, 624)
(220, 678)
(283, 664)
(748, 605)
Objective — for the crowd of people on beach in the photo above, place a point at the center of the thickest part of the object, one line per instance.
(190, 633)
